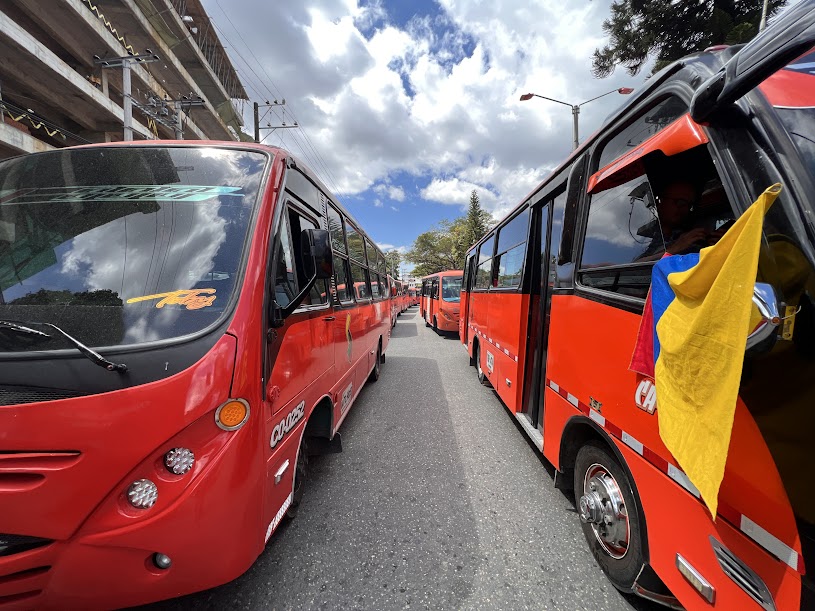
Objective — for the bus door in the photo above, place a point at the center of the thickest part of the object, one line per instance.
(550, 272)
(469, 273)
(536, 350)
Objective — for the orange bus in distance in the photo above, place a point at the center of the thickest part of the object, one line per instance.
(554, 301)
(441, 294)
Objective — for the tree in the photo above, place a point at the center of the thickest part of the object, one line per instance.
(477, 222)
(639, 29)
(393, 259)
(433, 251)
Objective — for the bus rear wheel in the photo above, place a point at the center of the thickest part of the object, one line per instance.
(482, 376)
(608, 514)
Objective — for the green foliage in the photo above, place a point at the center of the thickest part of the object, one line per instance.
(639, 29)
(445, 246)
(393, 259)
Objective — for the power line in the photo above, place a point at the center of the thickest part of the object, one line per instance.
(304, 133)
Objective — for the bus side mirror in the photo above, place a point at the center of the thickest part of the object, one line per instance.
(762, 337)
(318, 260)
(317, 263)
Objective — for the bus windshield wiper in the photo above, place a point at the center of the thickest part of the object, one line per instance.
(88, 353)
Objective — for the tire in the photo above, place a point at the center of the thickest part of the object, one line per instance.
(300, 478)
(377, 370)
(482, 375)
(617, 548)
(435, 325)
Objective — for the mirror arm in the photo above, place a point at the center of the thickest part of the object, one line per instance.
(280, 313)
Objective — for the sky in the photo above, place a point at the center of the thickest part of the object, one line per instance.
(405, 107)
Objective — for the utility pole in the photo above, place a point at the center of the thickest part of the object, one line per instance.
(179, 105)
(268, 105)
(125, 62)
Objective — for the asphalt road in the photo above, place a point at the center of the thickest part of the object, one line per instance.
(436, 502)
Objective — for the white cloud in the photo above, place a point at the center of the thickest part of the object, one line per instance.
(437, 99)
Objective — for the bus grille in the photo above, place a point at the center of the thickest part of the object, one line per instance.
(15, 395)
(743, 575)
(14, 544)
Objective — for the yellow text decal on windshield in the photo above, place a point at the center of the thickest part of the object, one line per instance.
(192, 299)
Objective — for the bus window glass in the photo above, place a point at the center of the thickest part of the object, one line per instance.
(513, 232)
(356, 247)
(341, 277)
(360, 277)
(510, 266)
(319, 292)
(451, 289)
(483, 275)
(376, 291)
(486, 250)
(335, 228)
(371, 254)
(285, 278)
(91, 240)
(655, 120)
(622, 226)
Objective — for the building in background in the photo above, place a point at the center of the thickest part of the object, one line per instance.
(62, 82)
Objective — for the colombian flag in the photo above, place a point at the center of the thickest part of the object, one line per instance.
(693, 333)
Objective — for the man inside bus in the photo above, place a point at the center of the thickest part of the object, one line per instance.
(672, 233)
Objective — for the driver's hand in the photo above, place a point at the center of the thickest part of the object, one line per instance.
(687, 241)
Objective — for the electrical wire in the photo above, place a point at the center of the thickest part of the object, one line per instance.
(308, 141)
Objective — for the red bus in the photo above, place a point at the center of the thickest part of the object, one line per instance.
(414, 296)
(440, 300)
(553, 302)
(173, 345)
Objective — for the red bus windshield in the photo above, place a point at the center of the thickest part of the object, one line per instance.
(451, 288)
(125, 245)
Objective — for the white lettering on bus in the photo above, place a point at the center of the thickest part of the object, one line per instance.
(288, 423)
(646, 396)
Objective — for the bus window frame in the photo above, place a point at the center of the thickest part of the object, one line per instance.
(294, 205)
(524, 209)
(618, 300)
(487, 237)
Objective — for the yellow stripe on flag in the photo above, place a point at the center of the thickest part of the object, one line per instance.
(702, 335)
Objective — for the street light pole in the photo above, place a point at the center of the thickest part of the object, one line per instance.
(576, 107)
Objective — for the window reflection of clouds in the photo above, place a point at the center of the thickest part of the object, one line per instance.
(172, 246)
(615, 217)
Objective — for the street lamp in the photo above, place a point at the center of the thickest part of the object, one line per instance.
(576, 107)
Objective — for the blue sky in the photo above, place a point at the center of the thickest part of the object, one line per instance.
(406, 106)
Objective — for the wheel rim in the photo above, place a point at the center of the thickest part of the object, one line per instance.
(478, 362)
(602, 506)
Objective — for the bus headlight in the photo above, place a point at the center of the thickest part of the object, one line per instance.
(179, 460)
(142, 494)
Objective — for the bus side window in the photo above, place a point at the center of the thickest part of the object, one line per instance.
(511, 251)
(285, 287)
(483, 274)
(318, 295)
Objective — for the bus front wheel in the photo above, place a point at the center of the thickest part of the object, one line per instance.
(300, 476)
(608, 514)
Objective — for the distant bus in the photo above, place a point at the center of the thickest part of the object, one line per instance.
(175, 339)
(414, 295)
(554, 297)
(441, 293)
